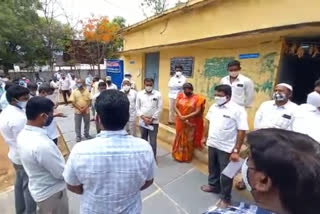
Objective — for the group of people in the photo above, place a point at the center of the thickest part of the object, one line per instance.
(109, 171)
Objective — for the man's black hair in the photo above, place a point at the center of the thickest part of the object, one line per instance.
(8, 84)
(112, 107)
(178, 67)
(234, 63)
(292, 161)
(317, 83)
(226, 89)
(45, 87)
(15, 92)
(32, 86)
(149, 80)
(38, 105)
(102, 84)
(187, 85)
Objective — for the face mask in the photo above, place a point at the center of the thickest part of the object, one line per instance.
(22, 104)
(108, 82)
(234, 74)
(188, 94)
(148, 88)
(279, 96)
(126, 88)
(49, 120)
(244, 172)
(79, 85)
(178, 73)
(220, 100)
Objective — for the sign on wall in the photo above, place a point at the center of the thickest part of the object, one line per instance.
(115, 70)
(249, 56)
(185, 62)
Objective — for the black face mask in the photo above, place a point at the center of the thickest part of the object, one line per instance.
(188, 94)
(108, 82)
(49, 120)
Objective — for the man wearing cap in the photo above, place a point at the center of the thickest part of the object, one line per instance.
(110, 85)
(129, 77)
(279, 112)
(307, 117)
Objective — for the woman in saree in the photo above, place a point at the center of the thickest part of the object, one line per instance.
(189, 109)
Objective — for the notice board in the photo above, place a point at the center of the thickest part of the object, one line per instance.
(185, 62)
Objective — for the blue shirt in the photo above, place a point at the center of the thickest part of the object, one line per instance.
(240, 208)
(112, 168)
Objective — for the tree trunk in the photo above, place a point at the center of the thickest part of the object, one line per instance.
(6, 70)
(99, 71)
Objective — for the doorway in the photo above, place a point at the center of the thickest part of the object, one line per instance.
(152, 68)
(300, 67)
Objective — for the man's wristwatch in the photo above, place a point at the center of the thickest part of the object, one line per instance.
(235, 151)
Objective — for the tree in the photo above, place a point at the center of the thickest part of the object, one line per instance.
(99, 32)
(157, 6)
(116, 44)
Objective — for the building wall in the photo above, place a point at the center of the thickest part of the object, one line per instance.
(261, 70)
(222, 18)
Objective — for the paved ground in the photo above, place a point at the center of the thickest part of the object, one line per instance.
(176, 189)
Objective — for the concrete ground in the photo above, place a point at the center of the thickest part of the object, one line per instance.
(176, 189)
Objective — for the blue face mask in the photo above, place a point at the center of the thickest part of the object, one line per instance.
(49, 120)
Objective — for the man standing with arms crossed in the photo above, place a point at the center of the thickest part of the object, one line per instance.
(81, 101)
(175, 87)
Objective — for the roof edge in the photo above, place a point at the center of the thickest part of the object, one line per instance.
(168, 13)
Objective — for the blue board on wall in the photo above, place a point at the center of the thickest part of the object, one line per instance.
(249, 56)
(115, 70)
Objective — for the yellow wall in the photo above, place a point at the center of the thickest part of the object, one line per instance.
(223, 18)
(262, 70)
(134, 64)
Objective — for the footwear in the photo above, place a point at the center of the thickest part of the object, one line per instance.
(88, 137)
(208, 188)
(78, 139)
(223, 204)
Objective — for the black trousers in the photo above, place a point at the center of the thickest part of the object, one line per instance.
(64, 94)
(218, 160)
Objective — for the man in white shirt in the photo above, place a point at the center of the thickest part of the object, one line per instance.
(45, 91)
(132, 97)
(102, 86)
(42, 160)
(242, 86)
(110, 85)
(111, 170)
(3, 100)
(149, 108)
(12, 121)
(277, 113)
(88, 81)
(128, 76)
(228, 124)
(64, 87)
(73, 81)
(175, 87)
(307, 117)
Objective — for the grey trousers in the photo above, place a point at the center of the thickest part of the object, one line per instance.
(131, 128)
(24, 202)
(218, 160)
(78, 119)
(151, 136)
(172, 112)
(56, 204)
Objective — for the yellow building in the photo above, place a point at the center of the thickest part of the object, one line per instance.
(275, 40)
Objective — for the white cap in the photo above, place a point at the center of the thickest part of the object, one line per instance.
(286, 85)
(127, 74)
(108, 78)
(314, 99)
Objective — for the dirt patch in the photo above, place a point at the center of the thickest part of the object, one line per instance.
(7, 172)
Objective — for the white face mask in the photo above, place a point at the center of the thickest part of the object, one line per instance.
(279, 96)
(220, 100)
(234, 74)
(244, 173)
(126, 88)
(148, 88)
(22, 104)
(178, 73)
